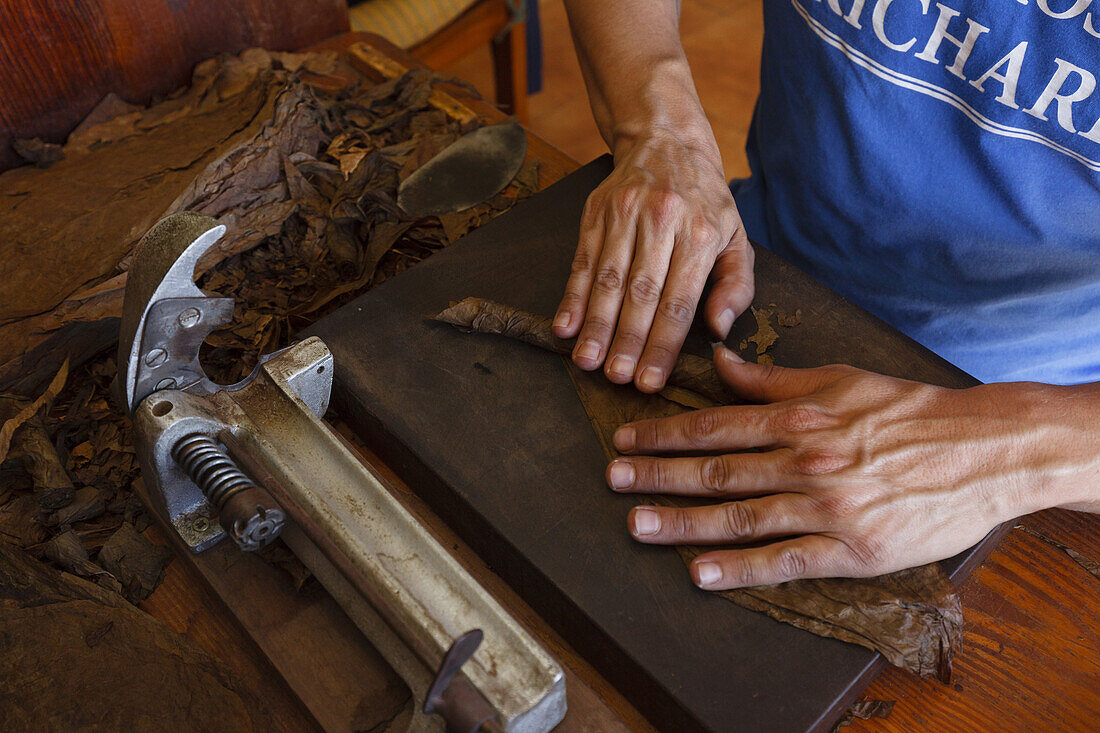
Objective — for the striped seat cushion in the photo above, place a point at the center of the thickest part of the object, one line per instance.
(405, 23)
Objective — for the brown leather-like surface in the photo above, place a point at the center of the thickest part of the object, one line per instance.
(59, 58)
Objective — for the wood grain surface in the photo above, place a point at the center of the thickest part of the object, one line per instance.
(1029, 659)
(59, 58)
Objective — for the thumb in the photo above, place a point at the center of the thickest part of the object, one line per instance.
(766, 382)
(733, 284)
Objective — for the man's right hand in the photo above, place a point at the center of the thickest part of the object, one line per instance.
(651, 234)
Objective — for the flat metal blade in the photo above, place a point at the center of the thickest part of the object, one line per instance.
(474, 168)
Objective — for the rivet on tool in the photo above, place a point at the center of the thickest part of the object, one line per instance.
(156, 357)
(189, 317)
(201, 524)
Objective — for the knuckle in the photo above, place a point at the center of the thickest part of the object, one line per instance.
(644, 289)
(741, 572)
(660, 476)
(701, 423)
(772, 376)
(817, 463)
(715, 474)
(799, 418)
(659, 352)
(593, 205)
(648, 436)
(582, 262)
(608, 280)
(627, 339)
(596, 326)
(625, 203)
(703, 234)
(665, 207)
(739, 520)
(573, 298)
(791, 562)
(681, 524)
(677, 309)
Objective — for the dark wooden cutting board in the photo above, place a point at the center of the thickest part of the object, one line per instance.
(492, 434)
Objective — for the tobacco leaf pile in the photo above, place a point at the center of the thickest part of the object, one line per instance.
(913, 617)
(300, 156)
(75, 656)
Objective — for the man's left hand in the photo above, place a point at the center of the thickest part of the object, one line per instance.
(853, 474)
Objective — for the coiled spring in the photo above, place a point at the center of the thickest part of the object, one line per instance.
(210, 467)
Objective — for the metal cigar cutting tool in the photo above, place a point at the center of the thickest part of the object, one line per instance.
(254, 461)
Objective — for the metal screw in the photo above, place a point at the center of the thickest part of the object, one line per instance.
(189, 317)
(156, 357)
(166, 383)
(201, 524)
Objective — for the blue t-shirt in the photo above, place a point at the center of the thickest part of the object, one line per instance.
(939, 164)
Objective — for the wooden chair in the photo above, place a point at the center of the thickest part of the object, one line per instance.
(440, 32)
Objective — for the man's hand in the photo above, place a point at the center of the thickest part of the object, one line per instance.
(651, 234)
(664, 219)
(857, 474)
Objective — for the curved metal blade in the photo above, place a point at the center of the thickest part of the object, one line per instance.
(474, 168)
(163, 268)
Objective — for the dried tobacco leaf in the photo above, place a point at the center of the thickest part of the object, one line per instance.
(66, 551)
(135, 562)
(865, 710)
(74, 656)
(47, 210)
(789, 320)
(913, 617)
(87, 504)
(41, 154)
(20, 521)
(52, 486)
(765, 335)
(16, 412)
(691, 372)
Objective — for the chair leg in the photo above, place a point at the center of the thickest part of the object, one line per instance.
(510, 71)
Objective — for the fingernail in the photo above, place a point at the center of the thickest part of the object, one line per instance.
(724, 322)
(651, 378)
(624, 439)
(562, 320)
(709, 573)
(588, 351)
(721, 351)
(620, 475)
(646, 522)
(622, 366)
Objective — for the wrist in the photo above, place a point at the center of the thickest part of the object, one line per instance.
(692, 136)
(1062, 446)
(662, 108)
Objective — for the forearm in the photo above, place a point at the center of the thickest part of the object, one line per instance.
(637, 75)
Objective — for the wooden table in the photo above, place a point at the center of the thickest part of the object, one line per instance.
(1030, 659)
